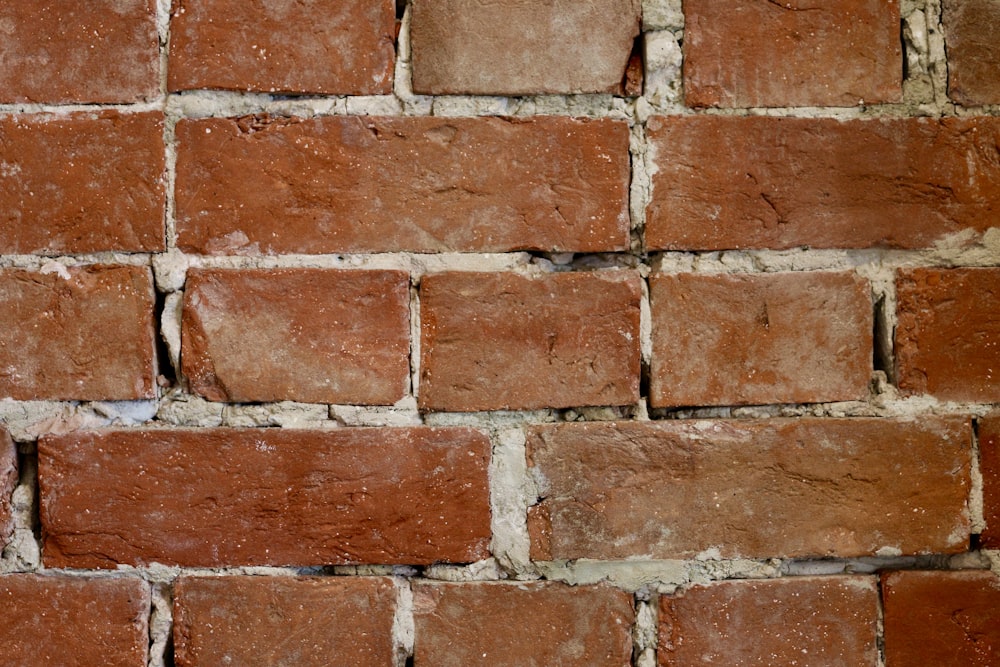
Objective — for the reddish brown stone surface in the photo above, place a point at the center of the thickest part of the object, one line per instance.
(307, 622)
(970, 31)
(759, 182)
(806, 621)
(763, 338)
(341, 47)
(531, 624)
(83, 182)
(351, 184)
(753, 489)
(989, 464)
(498, 341)
(518, 47)
(948, 335)
(8, 480)
(312, 335)
(86, 336)
(942, 618)
(73, 621)
(220, 497)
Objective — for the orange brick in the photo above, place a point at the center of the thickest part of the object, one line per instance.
(973, 50)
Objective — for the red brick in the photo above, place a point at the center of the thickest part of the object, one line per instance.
(67, 51)
(779, 53)
(942, 618)
(764, 338)
(948, 335)
(8, 480)
(498, 341)
(521, 624)
(353, 184)
(341, 47)
(989, 464)
(821, 621)
(973, 50)
(760, 182)
(83, 182)
(313, 335)
(86, 336)
(264, 497)
(283, 621)
(73, 621)
(752, 489)
(513, 47)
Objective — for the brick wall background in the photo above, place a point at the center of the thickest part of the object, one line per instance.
(530, 333)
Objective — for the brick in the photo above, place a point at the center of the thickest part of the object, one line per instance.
(348, 47)
(216, 497)
(787, 53)
(973, 50)
(312, 335)
(83, 182)
(87, 334)
(948, 334)
(362, 184)
(499, 341)
(942, 618)
(750, 489)
(989, 464)
(8, 480)
(821, 621)
(310, 621)
(521, 624)
(762, 182)
(764, 338)
(73, 621)
(514, 47)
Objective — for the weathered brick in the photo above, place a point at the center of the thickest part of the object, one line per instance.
(264, 497)
(754, 489)
(82, 333)
(83, 182)
(821, 621)
(778, 53)
(313, 335)
(948, 335)
(240, 620)
(73, 621)
(942, 618)
(353, 184)
(8, 480)
(989, 464)
(346, 48)
(973, 50)
(514, 47)
(765, 338)
(497, 341)
(521, 624)
(761, 182)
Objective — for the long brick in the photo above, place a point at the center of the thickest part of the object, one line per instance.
(767, 338)
(973, 50)
(73, 621)
(521, 624)
(8, 480)
(346, 48)
(753, 489)
(498, 341)
(761, 182)
(220, 497)
(240, 620)
(313, 335)
(83, 182)
(85, 335)
(989, 465)
(359, 184)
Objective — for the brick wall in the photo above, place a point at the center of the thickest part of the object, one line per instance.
(531, 333)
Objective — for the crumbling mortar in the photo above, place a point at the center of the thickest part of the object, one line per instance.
(645, 630)
(977, 516)
(402, 622)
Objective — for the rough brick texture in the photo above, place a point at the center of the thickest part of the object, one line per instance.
(82, 182)
(497, 341)
(989, 464)
(8, 480)
(307, 622)
(313, 335)
(82, 333)
(754, 489)
(759, 182)
(766, 338)
(948, 336)
(819, 621)
(970, 29)
(390, 184)
(264, 497)
(521, 624)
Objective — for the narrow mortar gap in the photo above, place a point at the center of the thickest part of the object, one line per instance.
(903, 47)
(27, 470)
(977, 520)
(166, 374)
(401, 9)
(880, 621)
(882, 353)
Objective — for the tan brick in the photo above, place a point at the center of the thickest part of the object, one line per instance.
(8, 480)
(973, 50)
(989, 464)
